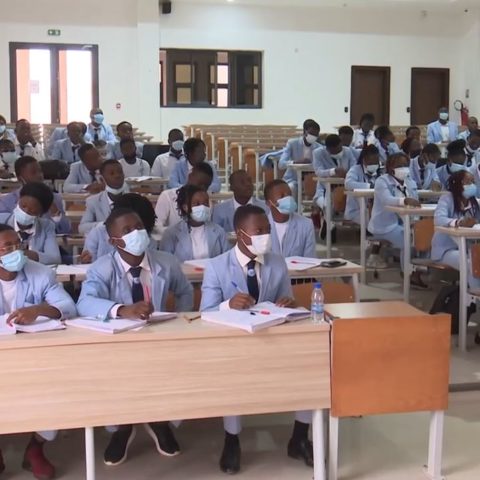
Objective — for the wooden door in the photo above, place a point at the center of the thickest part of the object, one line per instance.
(430, 91)
(370, 93)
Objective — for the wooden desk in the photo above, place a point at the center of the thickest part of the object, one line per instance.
(220, 197)
(461, 235)
(70, 198)
(388, 357)
(188, 370)
(153, 184)
(406, 213)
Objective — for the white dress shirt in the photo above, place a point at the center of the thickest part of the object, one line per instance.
(166, 210)
(281, 229)
(445, 133)
(164, 164)
(29, 150)
(236, 204)
(140, 168)
(9, 291)
(199, 242)
(31, 231)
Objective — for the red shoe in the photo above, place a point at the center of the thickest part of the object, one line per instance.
(2, 464)
(35, 461)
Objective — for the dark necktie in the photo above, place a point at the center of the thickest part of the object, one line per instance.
(137, 288)
(402, 190)
(252, 280)
(24, 236)
(22, 150)
(95, 135)
(469, 159)
(93, 176)
(74, 151)
(335, 162)
(422, 174)
(365, 139)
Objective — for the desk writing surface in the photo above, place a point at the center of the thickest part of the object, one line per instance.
(472, 233)
(371, 309)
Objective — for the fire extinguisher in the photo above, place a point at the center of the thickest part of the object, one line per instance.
(463, 109)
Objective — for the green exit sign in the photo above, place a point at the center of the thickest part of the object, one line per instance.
(54, 32)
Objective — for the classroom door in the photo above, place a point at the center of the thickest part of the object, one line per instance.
(430, 90)
(370, 93)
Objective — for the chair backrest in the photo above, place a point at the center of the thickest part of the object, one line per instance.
(197, 297)
(334, 292)
(339, 199)
(423, 231)
(309, 185)
(475, 258)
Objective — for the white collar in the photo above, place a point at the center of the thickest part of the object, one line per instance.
(30, 231)
(243, 260)
(126, 267)
(237, 205)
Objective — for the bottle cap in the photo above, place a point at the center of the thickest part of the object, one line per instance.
(318, 285)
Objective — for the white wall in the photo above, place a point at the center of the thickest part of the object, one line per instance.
(308, 54)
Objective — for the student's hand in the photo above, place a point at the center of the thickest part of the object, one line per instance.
(436, 186)
(32, 140)
(54, 210)
(241, 301)
(23, 316)
(286, 302)
(95, 187)
(340, 172)
(141, 310)
(31, 255)
(412, 202)
(467, 222)
(85, 257)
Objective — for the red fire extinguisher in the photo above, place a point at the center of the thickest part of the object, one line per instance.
(463, 109)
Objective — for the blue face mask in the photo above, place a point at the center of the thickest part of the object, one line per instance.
(287, 205)
(98, 118)
(469, 191)
(13, 261)
(456, 167)
(2, 129)
(136, 242)
(23, 218)
(200, 213)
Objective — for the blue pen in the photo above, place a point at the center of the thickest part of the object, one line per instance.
(236, 286)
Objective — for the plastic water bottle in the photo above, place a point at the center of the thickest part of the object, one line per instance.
(317, 309)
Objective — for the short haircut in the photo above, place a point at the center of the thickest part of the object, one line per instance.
(431, 149)
(244, 212)
(21, 120)
(174, 131)
(40, 192)
(203, 167)
(369, 117)
(123, 123)
(3, 119)
(84, 149)
(383, 131)
(191, 144)
(368, 150)
(394, 157)
(309, 123)
(271, 185)
(232, 176)
(72, 124)
(117, 213)
(6, 228)
(5, 142)
(125, 141)
(456, 147)
(410, 128)
(141, 205)
(333, 141)
(345, 130)
(106, 163)
(99, 143)
(475, 133)
(23, 162)
(184, 197)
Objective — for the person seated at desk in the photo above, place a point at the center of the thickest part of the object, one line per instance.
(238, 279)
(165, 163)
(124, 132)
(131, 164)
(291, 233)
(8, 157)
(99, 206)
(25, 143)
(346, 136)
(242, 187)
(456, 159)
(300, 150)
(196, 236)
(6, 133)
(84, 176)
(413, 132)
(442, 131)
(457, 208)
(67, 148)
(97, 129)
(472, 151)
(133, 282)
(472, 125)
(334, 160)
(364, 135)
(37, 234)
(97, 241)
(195, 152)
(394, 188)
(423, 168)
(412, 147)
(166, 207)
(29, 290)
(103, 149)
(28, 170)
(385, 142)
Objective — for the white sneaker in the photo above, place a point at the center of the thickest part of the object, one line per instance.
(376, 261)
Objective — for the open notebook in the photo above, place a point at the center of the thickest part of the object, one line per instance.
(114, 325)
(41, 324)
(201, 264)
(302, 263)
(262, 315)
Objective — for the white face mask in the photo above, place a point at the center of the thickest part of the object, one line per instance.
(9, 158)
(261, 244)
(311, 139)
(337, 156)
(177, 145)
(401, 173)
(443, 116)
(116, 191)
(372, 168)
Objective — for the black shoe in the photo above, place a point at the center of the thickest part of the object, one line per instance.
(117, 450)
(230, 459)
(163, 437)
(301, 450)
(334, 235)
(323, 231)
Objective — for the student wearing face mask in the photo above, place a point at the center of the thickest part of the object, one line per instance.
(131, 164)
(346, 136)
(83, 176)
(292, 234)
(8, 157)
(472, 151)
(39, 241)
(124, 132)
(472, 125)
(457, 208)
(97, 129)
(195, 236)
(442, 131)
(364, 135)
(99, 206)
(5, 133)
(395, 188)
(103, 149)
(300, 150)
(385, 142)
(165, 163)
(25, 143)
(423, 170)
(67, 148)
(334, 160)
(456, 158)
(29, 290)
(238, 279)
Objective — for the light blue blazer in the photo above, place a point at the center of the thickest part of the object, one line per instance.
(299, 238)
(107, 285)
(36, 284)
(265, 160)
(177, 240)
(434, 132)
(382, 221)
(429, 175)
(221, 271)
(43, 241)
(179, 176)
(10, 200)
(223, 212)
(383, 153)
(465, 135)
(98, 208)
(356, 179)
(62, 150)
(116, 153)
(443, 174)
(105, 132)
(323, 161)
(78, 177)
(60, 133)
(444, 215)
(293, 152)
